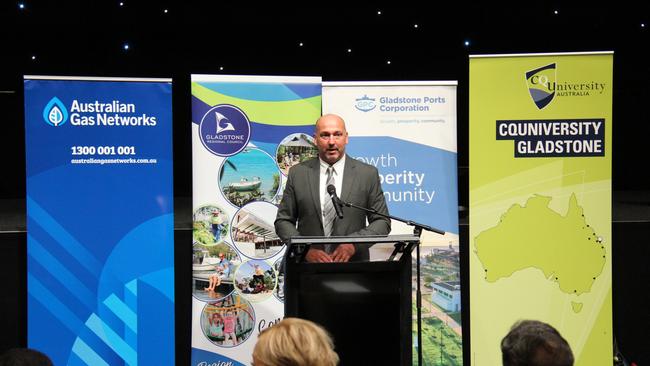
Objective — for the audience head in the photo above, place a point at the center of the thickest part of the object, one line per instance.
(294, 342)
(534, 343)
(24, 357)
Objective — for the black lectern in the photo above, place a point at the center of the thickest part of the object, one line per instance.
(359, 303)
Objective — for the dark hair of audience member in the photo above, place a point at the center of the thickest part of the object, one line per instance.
(534, 343)
(24, 357)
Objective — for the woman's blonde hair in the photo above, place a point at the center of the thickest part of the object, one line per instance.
(295, 342)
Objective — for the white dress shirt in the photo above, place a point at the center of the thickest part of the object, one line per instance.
(338, 181)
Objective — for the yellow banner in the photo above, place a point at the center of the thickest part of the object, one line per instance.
(540, 200)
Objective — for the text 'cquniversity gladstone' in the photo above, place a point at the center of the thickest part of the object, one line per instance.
(554, 138)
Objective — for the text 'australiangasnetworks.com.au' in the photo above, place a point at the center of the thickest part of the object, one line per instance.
(113, 161)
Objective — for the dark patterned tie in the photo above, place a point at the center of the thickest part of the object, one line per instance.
(328, 209)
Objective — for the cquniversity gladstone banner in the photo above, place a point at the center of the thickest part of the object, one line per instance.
(408, 131)
(100, 220)
(540, 200)
(247, 132)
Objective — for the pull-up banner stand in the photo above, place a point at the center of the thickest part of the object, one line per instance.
(407, 129)
(247, 132)
(100, 278)
(540, 200)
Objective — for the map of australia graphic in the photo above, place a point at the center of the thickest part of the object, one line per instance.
(563, 247)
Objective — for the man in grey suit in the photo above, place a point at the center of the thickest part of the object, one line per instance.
(305, 197)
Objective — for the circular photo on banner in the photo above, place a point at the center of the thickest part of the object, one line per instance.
(210, 225)
(295, 149)
(255, 280)
(278, 197)
(279, 289)
(253, 230)
(249, 176)
(228, 322)
(213, 269)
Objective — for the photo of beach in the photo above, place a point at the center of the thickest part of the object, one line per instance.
(228, 322)
(210, 225)
(295, 149)
(251, 175)
(255, 280)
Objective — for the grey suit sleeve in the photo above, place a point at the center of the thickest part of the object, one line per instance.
(287, 216)
(377, 225)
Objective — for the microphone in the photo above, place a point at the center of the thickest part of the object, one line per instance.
(331, 190)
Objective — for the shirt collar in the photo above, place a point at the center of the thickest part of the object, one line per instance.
(338, 166)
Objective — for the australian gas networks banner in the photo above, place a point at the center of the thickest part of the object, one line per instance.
(247, 132)
(408, 131)
(100, 247)
(540, 200)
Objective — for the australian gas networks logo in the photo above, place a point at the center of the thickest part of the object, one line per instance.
(84, 113)
(543, 86)
(55, 113)
(365, 104)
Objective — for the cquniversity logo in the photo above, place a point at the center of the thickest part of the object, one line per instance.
(225, 130)
(365, 104)
(541, 85)
(55, 113)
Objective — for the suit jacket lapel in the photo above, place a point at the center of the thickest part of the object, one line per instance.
(314, 187)
(349, 178)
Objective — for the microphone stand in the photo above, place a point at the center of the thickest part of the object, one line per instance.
(417, 231)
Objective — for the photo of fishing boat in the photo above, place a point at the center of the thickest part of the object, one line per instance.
(251, 175)
(245, 185)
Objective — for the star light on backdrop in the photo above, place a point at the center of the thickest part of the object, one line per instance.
(404, 41)
(390, 43)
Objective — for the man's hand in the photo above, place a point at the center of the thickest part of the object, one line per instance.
(343, 253)
(318, 256)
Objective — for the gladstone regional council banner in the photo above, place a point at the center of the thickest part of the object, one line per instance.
(100, 245)
(408, 131)
(540, 200)
(247, 132)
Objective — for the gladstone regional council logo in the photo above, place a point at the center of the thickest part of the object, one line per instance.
(225, 130)
(365, 104)
(541, 85)
(55, 113)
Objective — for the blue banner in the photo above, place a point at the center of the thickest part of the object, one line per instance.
(100, 220)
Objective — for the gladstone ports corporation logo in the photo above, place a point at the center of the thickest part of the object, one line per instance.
(541, 84)
(55, 113)
(365, 104)
(225, 130)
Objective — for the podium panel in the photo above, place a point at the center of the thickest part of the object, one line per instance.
(359, 303)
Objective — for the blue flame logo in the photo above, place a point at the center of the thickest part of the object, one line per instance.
(55, 113)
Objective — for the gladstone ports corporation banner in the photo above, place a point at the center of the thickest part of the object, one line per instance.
(408, 131)
(247, 132)
(540, 200)
(100, 275)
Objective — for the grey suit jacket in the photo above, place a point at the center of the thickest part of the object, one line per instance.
(300, 212)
